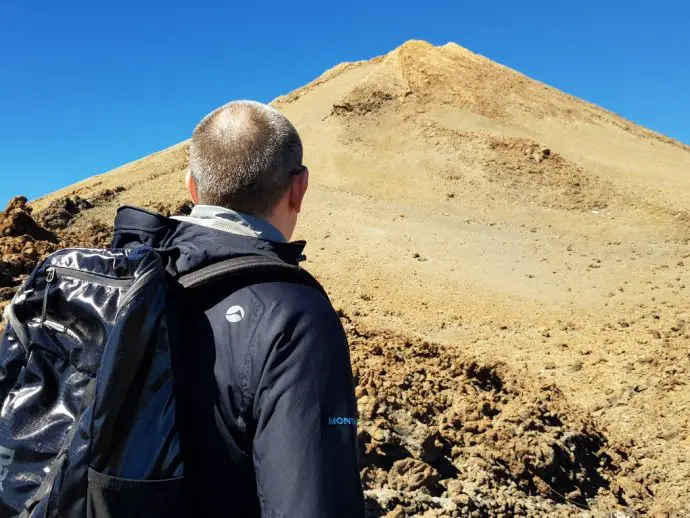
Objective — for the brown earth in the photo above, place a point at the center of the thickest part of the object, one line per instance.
(511, 266)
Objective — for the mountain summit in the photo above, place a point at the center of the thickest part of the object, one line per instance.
(431, 123)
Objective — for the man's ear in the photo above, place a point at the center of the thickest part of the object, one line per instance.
(298, 189)
(190, 182)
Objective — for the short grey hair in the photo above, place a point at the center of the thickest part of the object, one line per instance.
(242, 157)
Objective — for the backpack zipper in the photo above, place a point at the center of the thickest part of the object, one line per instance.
(134, 285)
(55, 272)
(95, 278)
(50, 278)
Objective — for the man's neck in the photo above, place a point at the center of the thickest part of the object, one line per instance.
(277, 223)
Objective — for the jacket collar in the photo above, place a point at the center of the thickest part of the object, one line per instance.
(231, 221)
(187, 246)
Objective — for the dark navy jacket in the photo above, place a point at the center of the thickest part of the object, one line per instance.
(269, 402)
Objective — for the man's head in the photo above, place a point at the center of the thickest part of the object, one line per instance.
(246, 156)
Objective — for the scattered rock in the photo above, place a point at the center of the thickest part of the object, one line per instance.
(108, 195)
(411, 475)
(166, 209)
(441, 432)
(24, 242)
(533, 173)
(577, 366)
(16, 221)
(60, 213)
(185, 209)
(541, 155)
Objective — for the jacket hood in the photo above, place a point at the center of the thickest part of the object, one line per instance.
(188, 247)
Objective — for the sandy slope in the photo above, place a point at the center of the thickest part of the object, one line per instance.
(458, 201)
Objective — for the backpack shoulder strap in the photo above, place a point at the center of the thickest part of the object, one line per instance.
(249, 269)
(10, 316)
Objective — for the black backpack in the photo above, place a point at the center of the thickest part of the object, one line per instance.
(90, 377)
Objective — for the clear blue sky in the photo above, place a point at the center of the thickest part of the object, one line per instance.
(87, 86)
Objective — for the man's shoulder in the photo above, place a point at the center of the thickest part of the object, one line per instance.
(280, 299)
(262, 316)
(289, 297)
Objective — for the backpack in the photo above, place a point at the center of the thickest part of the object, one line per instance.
(91, 423)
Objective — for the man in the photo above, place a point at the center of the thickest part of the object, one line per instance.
(269, 408)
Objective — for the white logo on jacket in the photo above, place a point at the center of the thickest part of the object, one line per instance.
(234, 314)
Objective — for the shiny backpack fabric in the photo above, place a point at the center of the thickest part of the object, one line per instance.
(88, 423)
